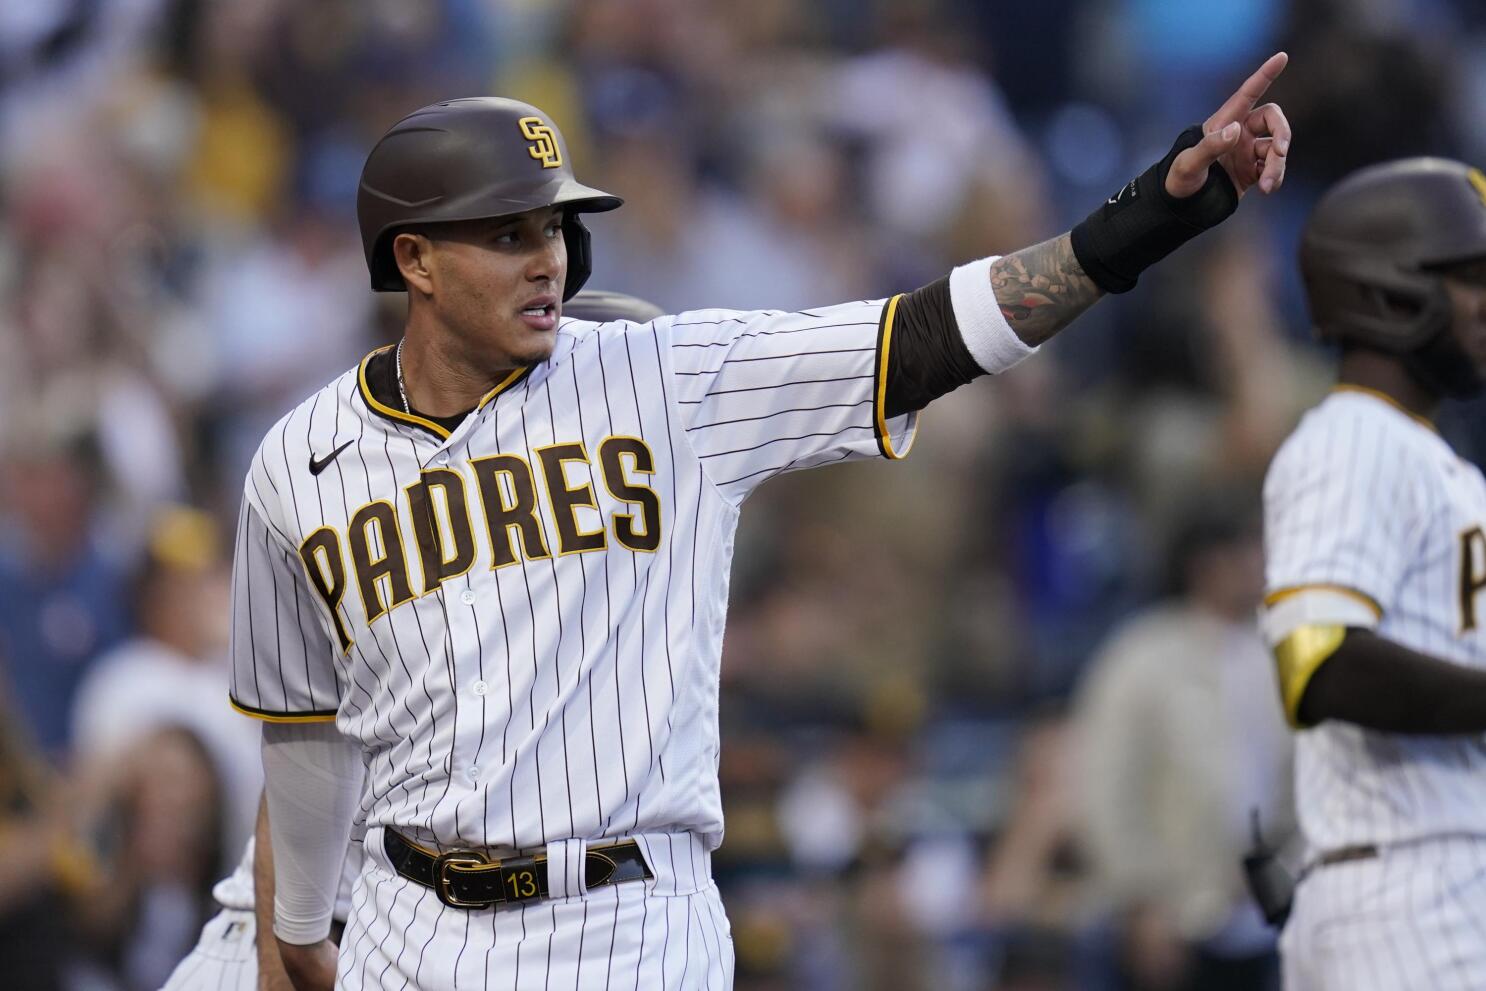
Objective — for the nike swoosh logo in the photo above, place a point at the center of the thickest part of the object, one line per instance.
(318, 466)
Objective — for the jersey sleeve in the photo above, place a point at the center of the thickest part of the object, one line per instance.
(767, 392)
(283, 658)
(1341, 517)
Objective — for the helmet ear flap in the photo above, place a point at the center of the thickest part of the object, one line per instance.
(580, 254)
(385, 275)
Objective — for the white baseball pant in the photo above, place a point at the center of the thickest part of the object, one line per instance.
(224, 959)
(669, 932)
(1414, 917)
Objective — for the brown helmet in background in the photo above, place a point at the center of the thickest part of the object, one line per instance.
(1372, 255)
(471, 159)
(602, 305)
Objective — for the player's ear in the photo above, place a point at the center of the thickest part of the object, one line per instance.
(412, 252)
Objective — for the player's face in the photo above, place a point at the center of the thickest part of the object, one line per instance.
(498, 284)
(1466, 285)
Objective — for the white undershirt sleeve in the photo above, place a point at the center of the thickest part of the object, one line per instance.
(990, 339)
(312, 777)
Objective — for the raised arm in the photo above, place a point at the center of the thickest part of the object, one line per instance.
(1041, 289)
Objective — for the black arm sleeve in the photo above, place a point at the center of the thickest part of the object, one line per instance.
(1382, 685)
(928, 357)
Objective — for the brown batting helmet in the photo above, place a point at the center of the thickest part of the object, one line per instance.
(1371, 251)
(467, 160)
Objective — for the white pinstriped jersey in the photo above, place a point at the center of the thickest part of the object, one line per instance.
(1370, 514)
(521, 621)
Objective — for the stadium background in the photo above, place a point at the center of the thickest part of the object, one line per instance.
(907, 737)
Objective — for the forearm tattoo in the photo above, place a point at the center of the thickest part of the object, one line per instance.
(1041, 289)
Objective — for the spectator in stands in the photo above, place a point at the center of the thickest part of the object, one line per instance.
(61, 593)
(1180, 744)
(173, 673)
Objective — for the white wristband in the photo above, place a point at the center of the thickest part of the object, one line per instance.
(992, 343)
(1314, 606)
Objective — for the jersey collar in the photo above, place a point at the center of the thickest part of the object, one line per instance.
(1384, 397)
(387, 406)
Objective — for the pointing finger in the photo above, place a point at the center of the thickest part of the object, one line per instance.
(1241, 102)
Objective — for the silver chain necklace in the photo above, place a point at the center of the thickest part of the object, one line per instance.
(401, 389)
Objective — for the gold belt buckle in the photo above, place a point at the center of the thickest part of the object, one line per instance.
(442, 882)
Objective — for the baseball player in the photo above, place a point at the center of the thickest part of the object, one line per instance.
(1375, 539)
(490, 563)
(233, 949)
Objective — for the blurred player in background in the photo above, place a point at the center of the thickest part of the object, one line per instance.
(1179, 744)
(1375, 538)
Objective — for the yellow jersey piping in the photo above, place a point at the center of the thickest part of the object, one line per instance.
(283, 717)
(1364, 390)
(879, 392)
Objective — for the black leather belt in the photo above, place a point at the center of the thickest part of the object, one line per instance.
(470, 879)
(1346, 854)
(1341, 855)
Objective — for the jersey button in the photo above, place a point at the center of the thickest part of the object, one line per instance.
(474, 772)
(480, 688)
(467, 597)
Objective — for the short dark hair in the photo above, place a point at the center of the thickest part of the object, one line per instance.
(1210, 521)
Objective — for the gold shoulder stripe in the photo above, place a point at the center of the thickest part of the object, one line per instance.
(1280, 595)
(327, 716)
(879, 403)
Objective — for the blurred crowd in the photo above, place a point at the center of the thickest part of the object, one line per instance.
(998, 718)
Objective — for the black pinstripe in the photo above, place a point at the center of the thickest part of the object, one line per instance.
(582, 936)
(782, 412)
(585, 678)
(520, 945)
(665, 612)
(340, 475)
(782, 469)
(776, 385)
(463, 945)
(407, 770)
(531, 697)
(635, 579)
(609, 624)
(567, 768)
(815, 329)
(247, 560)
(776, 357)
(309, 428)
(438, 920)
(780, 440)
(1401, 913)
(278, 647)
